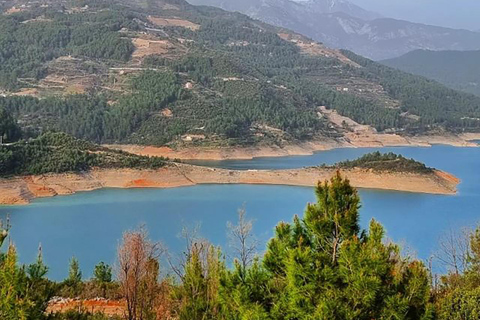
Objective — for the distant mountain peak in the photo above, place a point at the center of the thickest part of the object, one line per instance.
(342, 24)
(343, 6)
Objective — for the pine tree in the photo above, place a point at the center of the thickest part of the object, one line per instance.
(102, 273)
(13, 303)
(39, 288)
(74, 273)
(73, 283)
(198, 293)
(102, 276)
(325, 267)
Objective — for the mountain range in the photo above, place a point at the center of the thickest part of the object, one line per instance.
(341, 24)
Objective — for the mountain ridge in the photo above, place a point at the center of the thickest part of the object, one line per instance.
(372, 36)
(183, 76)
(459, 70)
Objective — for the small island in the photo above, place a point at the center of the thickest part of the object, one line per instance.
(58, 164)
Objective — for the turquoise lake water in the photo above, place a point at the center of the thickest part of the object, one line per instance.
(90, 225)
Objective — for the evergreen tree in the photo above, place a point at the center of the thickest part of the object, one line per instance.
(9, 130)
(73, 283)
(14, 304)
(198, 294)
(324, 267)
(39, 288)
(74, 273)
(102, 273)
(102, 276)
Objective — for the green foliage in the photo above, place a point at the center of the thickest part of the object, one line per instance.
(459, 295)
(250, 85)
(460, 304)
(14, 304)
(92, 118)
(325, 268)
(26, 44)
(9, 130)
(435, 104)
(246, 294)
(39, 288)
(102, 273)
(59, 152)
(360, 109)
(385, 162)
(74, 274)
(72, 286)
(197, 295)
(102, 276)
(459, 70)
(24, 291)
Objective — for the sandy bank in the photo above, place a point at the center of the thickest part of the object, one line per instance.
(350, 140)
(104, 306)
(22, 190)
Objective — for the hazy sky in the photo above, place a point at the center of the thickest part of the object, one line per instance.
(460, 14)
(448, 13)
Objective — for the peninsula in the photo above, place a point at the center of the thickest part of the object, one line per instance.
(58, 164)
(22, 190)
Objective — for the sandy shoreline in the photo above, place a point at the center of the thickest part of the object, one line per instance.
(22, 190)
(350, 140)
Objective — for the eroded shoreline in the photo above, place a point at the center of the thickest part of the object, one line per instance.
(350, 140)
(22, 190)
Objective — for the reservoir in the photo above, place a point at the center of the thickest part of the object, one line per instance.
(89, 225)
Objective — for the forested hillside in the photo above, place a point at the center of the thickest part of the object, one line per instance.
(59, 153)
(459, 70)
(168, 73)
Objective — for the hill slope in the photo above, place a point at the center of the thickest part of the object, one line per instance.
(340, 24)
(457, 69)
(59, 152)
(157, 73)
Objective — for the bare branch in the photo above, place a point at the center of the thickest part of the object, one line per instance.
(454, 250)
(242, 239)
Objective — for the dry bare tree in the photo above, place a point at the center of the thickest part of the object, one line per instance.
(454, 250)
(190, 236)
(137, 271)
(242, 240)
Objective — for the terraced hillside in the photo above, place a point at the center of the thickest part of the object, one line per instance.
(168, 73)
